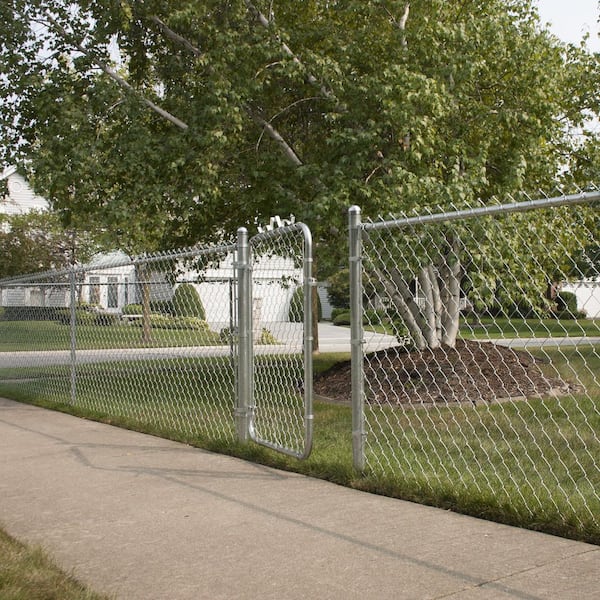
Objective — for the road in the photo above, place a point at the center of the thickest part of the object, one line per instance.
(331, 339)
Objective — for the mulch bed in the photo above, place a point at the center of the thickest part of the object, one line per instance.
(472, 372)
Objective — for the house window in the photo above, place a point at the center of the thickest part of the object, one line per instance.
(94, 290)
(126, 292)
(112, 300)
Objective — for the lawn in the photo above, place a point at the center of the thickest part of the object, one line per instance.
(533, 464)
(51, 335)
(488, 328)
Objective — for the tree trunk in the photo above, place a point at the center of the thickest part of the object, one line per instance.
(435, 321)
(142, 277)
(450, 270)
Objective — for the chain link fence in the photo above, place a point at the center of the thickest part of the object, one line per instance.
(208, 342)
(281, 263)
(491, 391)
(145, 339)
(483, 387)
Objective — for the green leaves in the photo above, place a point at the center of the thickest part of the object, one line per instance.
(290, 111)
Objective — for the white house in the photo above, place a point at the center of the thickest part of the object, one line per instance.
(587, 293)
(21, 198)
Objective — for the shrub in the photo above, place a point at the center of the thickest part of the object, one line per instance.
(339, 289)
(30, 313)
(167, 322)
(337, 311)
(187, 302)
(370, 317)
(266, 337)
(374, 317)
(342, 319)
(228, 335)
(105, 319)
(163, 307)
(296, 310)
(566, 306)
(133, 309)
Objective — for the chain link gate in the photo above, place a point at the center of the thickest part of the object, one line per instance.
(274, 399)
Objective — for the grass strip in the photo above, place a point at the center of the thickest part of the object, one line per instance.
(27, 573)
(518, 457)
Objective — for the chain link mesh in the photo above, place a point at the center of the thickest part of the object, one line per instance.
(492, 388)
(281, 392)
(148, 339)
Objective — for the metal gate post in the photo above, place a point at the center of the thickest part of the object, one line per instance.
(244, 369)
(357, 339)
(73, 334)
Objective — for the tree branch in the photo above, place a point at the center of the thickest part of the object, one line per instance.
(266, 126)
(327, 93)
(287, 150)
(450, 270)
(403, 307)
(175, 37)
(114, 76)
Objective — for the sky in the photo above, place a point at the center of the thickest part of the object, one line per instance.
(570, 19)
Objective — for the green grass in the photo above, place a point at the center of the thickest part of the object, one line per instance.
(512, 462)
(27, 573)
(51, 335)
(516, 328)
(498, 328)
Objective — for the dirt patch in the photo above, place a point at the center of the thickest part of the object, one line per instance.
(473, 372)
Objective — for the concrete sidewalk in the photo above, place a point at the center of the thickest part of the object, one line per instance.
(146, 518)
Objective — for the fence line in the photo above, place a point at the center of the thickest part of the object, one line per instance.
(489, 392)
(171, 338)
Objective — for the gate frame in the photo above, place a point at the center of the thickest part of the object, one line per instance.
(245, 405)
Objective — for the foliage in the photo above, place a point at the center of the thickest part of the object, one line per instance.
(164, 307)
(31, 313)
(217, 114)
(296, 309)
(566, 306)
(179, 322)
(339, 289)
(105, 319)
(37, 241)
(266, 337)
(227, 335)
(83, 316)
(187, 302)
(343, 318)
(132, 309)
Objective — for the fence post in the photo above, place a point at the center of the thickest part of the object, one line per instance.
(357, 339)
(73, 333)
(244, 371)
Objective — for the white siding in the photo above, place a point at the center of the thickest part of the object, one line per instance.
(588, 296)
(21, 198)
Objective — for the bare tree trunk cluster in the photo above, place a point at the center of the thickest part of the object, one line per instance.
(432, 318)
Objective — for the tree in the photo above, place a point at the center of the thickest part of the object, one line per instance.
(36, 241)
(224, 113)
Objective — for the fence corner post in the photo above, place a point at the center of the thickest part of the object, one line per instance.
(357, 338)
(244, 308)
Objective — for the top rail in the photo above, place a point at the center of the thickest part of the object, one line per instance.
(484, 211)
(125, 262)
